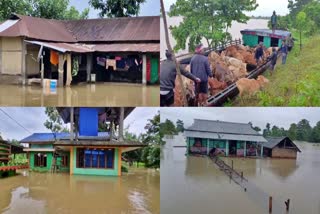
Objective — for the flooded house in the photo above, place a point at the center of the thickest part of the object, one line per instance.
(280, 147)
(77, 51)
(85, 150)
(225, 138)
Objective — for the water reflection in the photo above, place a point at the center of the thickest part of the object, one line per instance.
(108, 94)
(136, 192)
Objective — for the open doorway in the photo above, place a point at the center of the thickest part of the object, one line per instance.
(232, 147)
(260, 39)
(274, 42)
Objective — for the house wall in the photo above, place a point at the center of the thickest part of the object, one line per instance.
(87, 171)
(11, 56)
(49, 161)
(31, 60)
(284, 153)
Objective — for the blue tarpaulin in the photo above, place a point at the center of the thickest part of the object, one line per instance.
(88, 122)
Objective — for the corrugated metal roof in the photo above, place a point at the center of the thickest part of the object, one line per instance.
(267, 32)
(274, 141)
(49, 137)
(129, 47)
(131, 29)
(222, 127)
(211, 135)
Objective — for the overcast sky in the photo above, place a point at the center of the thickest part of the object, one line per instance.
(266, 7)
(282, 117)
(33, 118)
(149, 8)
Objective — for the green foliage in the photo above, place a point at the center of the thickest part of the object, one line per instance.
(179, 126)
(168, 128)
(54, 121)
(18, 159)
(124, 169)
(117, 8)
(295, 6)
(49, 9)
(207, 19)
(300, 131)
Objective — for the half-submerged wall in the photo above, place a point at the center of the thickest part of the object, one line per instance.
(11, 56)
(284, 153)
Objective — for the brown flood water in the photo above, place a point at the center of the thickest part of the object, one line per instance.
(196, 185)
(100, 94)
(135, 192)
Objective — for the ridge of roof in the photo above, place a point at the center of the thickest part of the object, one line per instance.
(219, 121)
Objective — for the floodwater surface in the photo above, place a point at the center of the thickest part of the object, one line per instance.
(135, 192)
(196, 185)
(99, 94)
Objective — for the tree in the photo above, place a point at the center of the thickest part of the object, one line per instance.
(256, 128)
(207, 19)
(154, 139)
(295, 6)
(292, 132)
(168, 128)
(54, 121)
(301, 23)
(304, 130)
(179, 126)
(315, 134)
(49, 9)
(267, 131)
(117, 8)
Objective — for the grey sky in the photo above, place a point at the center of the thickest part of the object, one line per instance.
(149, 8)
(282, 117)
(266, 7)
(33, 118)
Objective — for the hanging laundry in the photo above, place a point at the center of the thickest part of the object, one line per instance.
(118, 58)
(75, 66)
(111, 63)
(54, 57)
(101, 61)
(121, 63)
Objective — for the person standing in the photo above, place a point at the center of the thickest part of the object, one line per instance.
(284, 52)
(273, 57)
(259, 53)
(168, 75)
(274, 21)
(199, 67)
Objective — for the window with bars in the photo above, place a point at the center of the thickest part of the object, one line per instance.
(40, 160)
(95, 158)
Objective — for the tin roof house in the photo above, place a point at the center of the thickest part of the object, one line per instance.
(280, 147)
(225, 138)
(113, 50)
(85, 150)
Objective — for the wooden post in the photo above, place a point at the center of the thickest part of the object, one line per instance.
(23, 62)
(270, 204)
(121, 118)
(164, 16)
(241, 176)
(89, 66)
(60, 69)
(144, 69)
(71, 124)
(69, 73)
(232, 164)
(287, 204)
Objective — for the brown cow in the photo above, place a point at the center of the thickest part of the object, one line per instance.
(250, 86)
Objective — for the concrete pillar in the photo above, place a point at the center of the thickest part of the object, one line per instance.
(89, 66)
(261, 152)
(121, 118)
(60, 69)
(208, 149)
(245, 149)
(23, 62)
(69, 72)
(144, 69)
(227, 148)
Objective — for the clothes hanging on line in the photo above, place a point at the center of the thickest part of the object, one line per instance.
(111, 63)
(54, 57)
(101, 61)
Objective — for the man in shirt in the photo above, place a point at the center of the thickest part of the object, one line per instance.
(274, 21)
(168, 75)
(199, 67)
(284, 52)
(259, 53)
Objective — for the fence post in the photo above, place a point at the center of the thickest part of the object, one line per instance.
(270, 204)
(287, 204)
(232, 164)
(241, 176)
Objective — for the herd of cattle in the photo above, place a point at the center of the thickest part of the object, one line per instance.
(228, 67)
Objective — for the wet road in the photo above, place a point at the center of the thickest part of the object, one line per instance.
(136, 192)
(100, 94)
(196, 185)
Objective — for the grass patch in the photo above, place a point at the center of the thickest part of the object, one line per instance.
(293, 84)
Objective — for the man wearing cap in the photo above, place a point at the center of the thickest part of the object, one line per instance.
(199, 67)
(168, 75)
(259, 53)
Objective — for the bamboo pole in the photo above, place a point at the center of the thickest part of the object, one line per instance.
(173, 55)
(270, 204)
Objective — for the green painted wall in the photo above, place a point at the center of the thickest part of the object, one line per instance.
(59, 162)
(49, 161)
(250, 40)
(280, 43)
(34, 146)
(86, 171)
(267, 41)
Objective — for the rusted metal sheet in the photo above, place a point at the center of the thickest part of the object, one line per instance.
(116, 29)
(90, 30)
(65, 47)
(138, 47)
